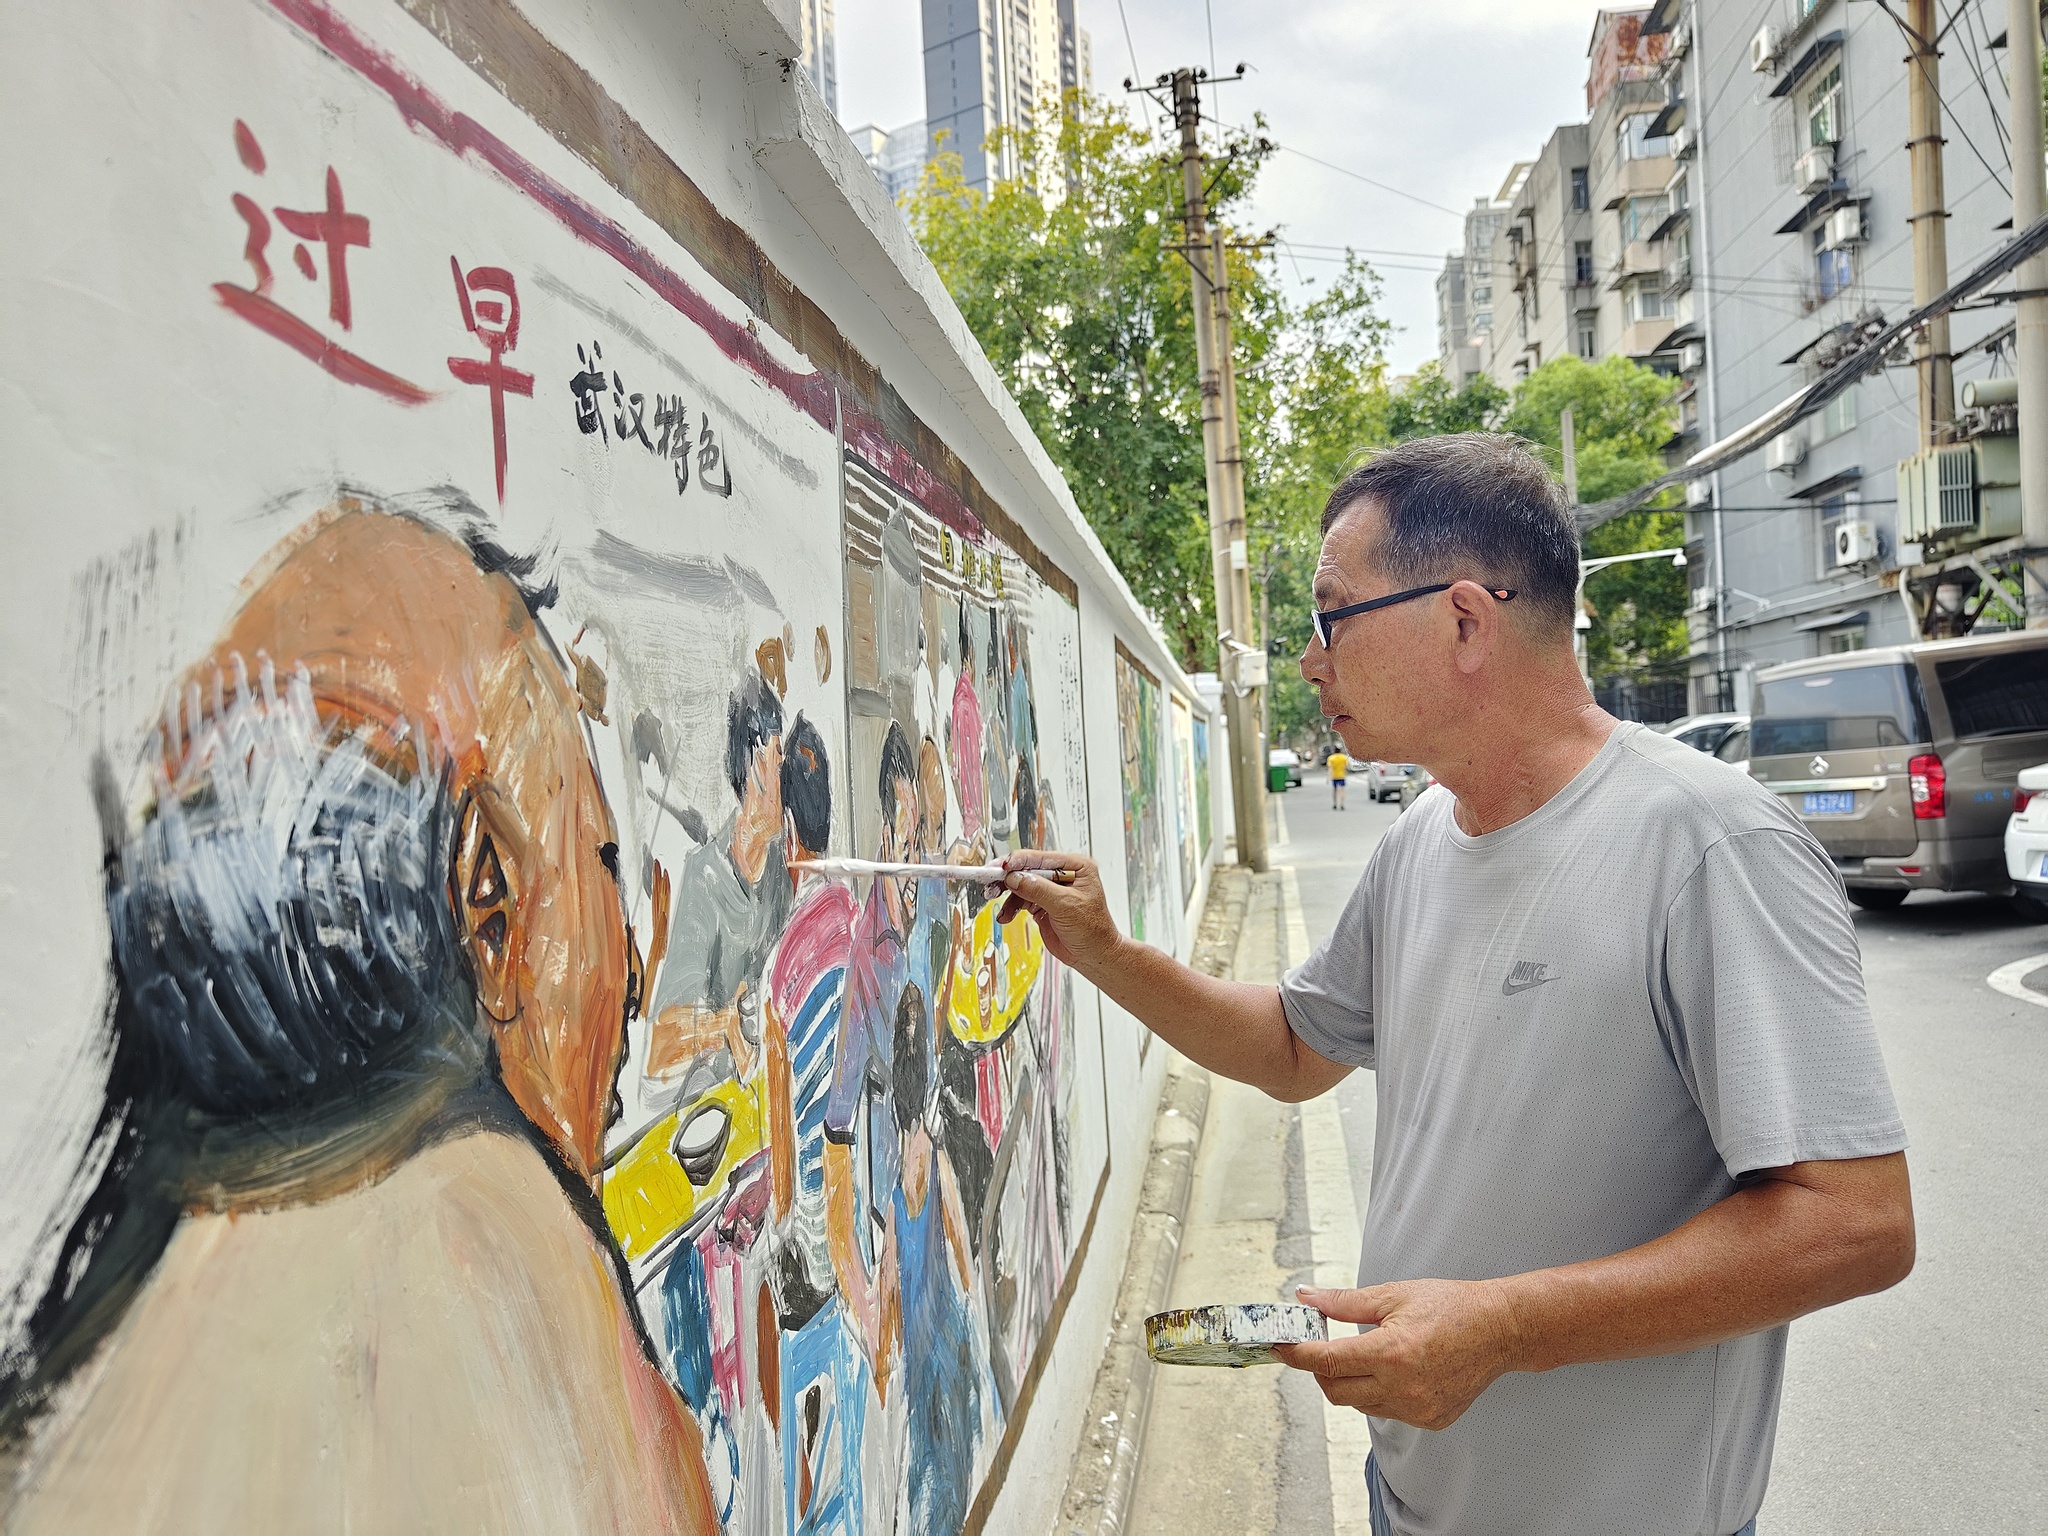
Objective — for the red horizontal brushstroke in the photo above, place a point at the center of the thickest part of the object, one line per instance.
(274, 320)
(812, 393)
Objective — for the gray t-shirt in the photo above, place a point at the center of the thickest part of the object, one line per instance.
(1586, 1027)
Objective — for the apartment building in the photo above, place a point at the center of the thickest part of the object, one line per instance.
(1454, 359)
(820, 57)
(1466, 293)
(996, 63)
(897, 154)
(1786, 239)
(1545, 256)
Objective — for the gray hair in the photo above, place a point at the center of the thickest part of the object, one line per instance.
(281, 923)
(1470, 505)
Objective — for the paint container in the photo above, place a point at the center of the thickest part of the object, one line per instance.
(1235, 1336)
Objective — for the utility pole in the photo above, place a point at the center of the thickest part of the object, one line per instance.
(1571, 457)
(1934, 369)
(1240, 664)
(2030, 327)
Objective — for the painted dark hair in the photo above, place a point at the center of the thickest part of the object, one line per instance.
(899, 765)
(910, 1067)
(1470, 505)
(752, 717)
(807, 784)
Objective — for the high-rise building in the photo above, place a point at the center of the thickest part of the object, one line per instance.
(820, 50)
(992, 64)
(897, 154)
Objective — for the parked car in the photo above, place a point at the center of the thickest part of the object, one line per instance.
(1903, 760)
(1419, 779)
(1704, 733)
(1383, 781)
(1734, 747)
(1288, 758)
(2026, 843)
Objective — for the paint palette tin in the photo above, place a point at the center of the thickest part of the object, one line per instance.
(1235, 1336)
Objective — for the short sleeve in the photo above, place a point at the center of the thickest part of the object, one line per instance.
(1764, 1003)
(1328, 997)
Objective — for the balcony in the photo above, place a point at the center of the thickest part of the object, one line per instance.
(1638, 258)
(1678, 273)
(1639, 178)
(1641, 338)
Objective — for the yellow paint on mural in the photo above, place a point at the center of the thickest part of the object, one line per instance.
(649, 1194)
(992, 976)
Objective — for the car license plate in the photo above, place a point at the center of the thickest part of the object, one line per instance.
(1829, 802)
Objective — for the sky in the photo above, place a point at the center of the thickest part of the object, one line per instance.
(1435, 98)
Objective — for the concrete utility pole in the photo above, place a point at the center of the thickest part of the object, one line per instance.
(1934, 368)
(1242, 705)
(1571, 456)
(2030, 327)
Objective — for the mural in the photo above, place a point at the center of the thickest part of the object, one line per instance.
(1203, 811)
(494, 1124)
(1191, 841)
(1141, 742)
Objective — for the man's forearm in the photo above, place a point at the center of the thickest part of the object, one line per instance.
(1796, 1240)
(1236, 1028)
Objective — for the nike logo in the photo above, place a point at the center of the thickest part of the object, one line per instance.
(1526, 974)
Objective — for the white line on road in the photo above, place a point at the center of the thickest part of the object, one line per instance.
(2009, 979)
(1334, 1240)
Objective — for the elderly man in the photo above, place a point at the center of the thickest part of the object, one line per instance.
(1632, 1115)
(343, 1267)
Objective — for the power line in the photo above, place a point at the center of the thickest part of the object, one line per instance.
(1341, 170)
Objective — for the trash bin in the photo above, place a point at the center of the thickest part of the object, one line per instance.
(1276, 778)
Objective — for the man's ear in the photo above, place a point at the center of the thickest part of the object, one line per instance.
(485, 886)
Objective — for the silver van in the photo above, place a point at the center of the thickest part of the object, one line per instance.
(1903, 759)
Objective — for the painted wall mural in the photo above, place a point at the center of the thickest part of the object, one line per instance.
(1204, 814)
(1189, 838)
(500, 1127)
(1141, 741)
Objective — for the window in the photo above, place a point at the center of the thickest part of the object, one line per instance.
(1839, 642)
(1843, 710)
(1588, 338)
(1824, 109)
(1483, 320)
(1646, 300)
(1641, 215)
(1582, 192)
(1483, 295)
(2003, 695)
(1833, 271)
(1582, 262)
(1836, 417)
(1633, 141)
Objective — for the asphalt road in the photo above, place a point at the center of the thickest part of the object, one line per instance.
(1925, 1409)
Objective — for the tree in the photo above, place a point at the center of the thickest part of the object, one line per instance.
(1621, 418)
(1082, 302)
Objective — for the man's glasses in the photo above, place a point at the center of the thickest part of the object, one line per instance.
(1325, 619)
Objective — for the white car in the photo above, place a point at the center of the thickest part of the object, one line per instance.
(1384, 781)
(1704, 733)
(2026, 843)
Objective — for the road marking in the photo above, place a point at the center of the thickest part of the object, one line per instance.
(2007, 979)
(1334, 1243)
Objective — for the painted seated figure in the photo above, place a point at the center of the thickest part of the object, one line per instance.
(342, 1263)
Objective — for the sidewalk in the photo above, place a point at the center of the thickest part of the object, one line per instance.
(1268, 1206)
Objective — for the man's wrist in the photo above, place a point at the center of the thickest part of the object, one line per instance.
(1515, 1307)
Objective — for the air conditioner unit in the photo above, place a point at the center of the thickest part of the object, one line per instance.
(1699, 493)
(1855, 543)
(1763, 48)
(1684, 141)
(1844, 228)
(1787, 451)
(1814, 169)
(1691, 358)
(1702, 599)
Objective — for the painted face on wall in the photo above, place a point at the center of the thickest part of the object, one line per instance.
(399, 632)
(760, 813)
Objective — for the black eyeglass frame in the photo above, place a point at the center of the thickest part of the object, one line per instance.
(1324, 620)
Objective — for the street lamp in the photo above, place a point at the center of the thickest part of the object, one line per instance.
(1588, 567)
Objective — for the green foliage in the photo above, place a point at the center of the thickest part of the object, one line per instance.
(1621, 417)
(1084, 307)
(1430, 407)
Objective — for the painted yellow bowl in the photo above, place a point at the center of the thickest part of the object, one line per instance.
(1234, 1336)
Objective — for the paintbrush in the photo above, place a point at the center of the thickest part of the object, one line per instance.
(977, 874)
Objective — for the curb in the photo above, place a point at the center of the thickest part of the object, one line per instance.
(1097, 1501)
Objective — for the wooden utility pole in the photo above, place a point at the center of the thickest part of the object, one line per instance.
(1934, 368)
(1238, 661)
(2030, 324)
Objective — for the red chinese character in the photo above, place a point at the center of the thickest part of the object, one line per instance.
(494, 322)
(339, 229)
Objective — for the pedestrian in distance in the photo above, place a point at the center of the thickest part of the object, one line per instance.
(1340, 769)
(1632, 1117)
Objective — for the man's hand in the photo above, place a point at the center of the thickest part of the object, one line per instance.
(1437, 1345)
(1073, 918)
